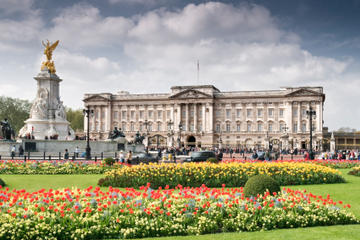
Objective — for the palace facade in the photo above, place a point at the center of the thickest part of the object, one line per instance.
(204, 116)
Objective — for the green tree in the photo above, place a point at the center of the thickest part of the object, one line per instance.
(15, 110)
(76, 118)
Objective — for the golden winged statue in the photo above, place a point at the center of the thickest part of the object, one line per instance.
(49, 48)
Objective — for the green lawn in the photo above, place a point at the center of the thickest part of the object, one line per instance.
(348, 192)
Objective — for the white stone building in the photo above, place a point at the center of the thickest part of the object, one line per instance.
(209, 117)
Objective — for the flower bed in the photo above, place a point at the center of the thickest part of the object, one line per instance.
(355, 171)
(213, 175)
(93, 214)
(54, 167)
(333, 163)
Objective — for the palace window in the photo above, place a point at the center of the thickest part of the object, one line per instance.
(141, 114)
(159, 126)
(295, 112)
(228, 127)
(132, 126)
(123, 115)
(270, 112)
(238, 127)
(281, 112)
(259, 112)
(150, 127)
(248, 112)
(192, 113)
(159, 116)
(249, 127)
(217, 128)
(200, 127)
(295, 127)
(238, 113)
(141, 127)
(217, 113)
(281, 127)
(260, 127)
(103, 114)
(303, 112)
(228, 113)
(132, 114)
(123, 126)
(168, 114)
(270, 127)
(116, 115)
(191, 127)
(150, 113)
(303, 127)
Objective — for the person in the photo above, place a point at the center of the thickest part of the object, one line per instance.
(66, 155)
(21, 151)
(122, 157)
(13, 150)
(129, 157)
(77, 151)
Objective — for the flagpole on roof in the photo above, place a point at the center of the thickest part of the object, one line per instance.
(198, 71)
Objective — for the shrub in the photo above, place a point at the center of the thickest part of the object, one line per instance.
(109, 161)
(214, 175)
(2, 183)
(259, 184)
(212, 160)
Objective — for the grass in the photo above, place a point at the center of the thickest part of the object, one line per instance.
(36, 182)
(348, 192)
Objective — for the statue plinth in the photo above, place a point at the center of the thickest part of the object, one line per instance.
(47, 115)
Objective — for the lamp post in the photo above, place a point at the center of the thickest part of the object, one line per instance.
(180, 129)
(311, 113)
(87, 112)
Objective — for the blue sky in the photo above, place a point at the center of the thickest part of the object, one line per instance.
(145, 46)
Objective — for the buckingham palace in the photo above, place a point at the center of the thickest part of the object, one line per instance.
(204, 116)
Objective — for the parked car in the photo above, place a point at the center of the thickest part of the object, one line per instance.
(200, 156)
(144, 158)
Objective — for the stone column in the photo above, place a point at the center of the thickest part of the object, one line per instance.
(195, 117)
(211, 117)
(203, 117)
(178, 116)
(186, 117)
(299, 117)
(319, 115)
(108, 117)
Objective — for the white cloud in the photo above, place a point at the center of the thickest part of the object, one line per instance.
(83, 26)
(138, 2)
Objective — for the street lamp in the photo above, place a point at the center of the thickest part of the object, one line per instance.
(87, 112)
(311, 113)
(180, 129)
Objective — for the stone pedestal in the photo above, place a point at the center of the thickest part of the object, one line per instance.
(47, 115)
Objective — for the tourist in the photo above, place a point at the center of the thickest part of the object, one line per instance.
(129, 157)
(66, 154)
(77, 151)
(13, 150)
(21, 151)
(122, 156)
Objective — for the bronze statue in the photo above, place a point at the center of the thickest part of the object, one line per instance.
(116, 133)
(49, 48)
(7, 131)
(138, 138)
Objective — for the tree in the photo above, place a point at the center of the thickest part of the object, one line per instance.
(76, 119)
(346, 129)
(15, 110)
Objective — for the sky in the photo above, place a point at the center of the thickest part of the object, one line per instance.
(147, 46)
